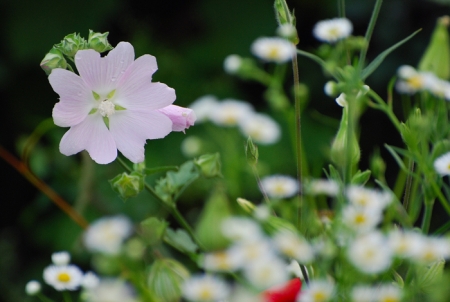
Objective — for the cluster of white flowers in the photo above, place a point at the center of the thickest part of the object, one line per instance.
(229, 113)
(411, 81)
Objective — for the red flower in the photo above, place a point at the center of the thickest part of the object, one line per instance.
(284, 293)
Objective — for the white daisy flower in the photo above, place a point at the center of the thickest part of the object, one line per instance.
(388, 293)
(436, 86)
(222, 261)
(322, 186)
(110, 290)
(90, 280)
(361, 219)
(230, 112)
(333, 30)
(266, 273)
(106, 235)
(366, 255)
(363, 293)
(317, 291)
(293, 246)
(405, 243)
(369, 198)
(241, 229)
(280, 186)
(205, 288)
(247, 252)
(276, 50)
(33, 287)
(442, 164)
(63, 277)
(232, 64)
(431, 249)
(261, 128)
(203, 107)
(61, 258)
(411, 80)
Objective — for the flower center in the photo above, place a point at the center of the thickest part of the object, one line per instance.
(64, 277)
(106, 108)
(206, 293)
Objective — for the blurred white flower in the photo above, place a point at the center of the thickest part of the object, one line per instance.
(333, 30)
(191, 146)
(232, 63)
(405, 243)
(410, 80)
(61, 258)
(90, 280)
(243, 294)
(317, 291)
(241, 229)
(205, 288)
(280, 186)
(266, 273)
(431, 249)
(261, 212)
(247, 252)
(388, 293)
(33, 287)
(203, 107)
(262, 129)
(368, 198)
(341, 100)
(230, 112)
(110, 290)
(222, 261)
(63, 277)
(275, 49)
(370, 253)
(361, 219)
(363, 293)
(106, 235)
(293, 246)
(330, 88)
(286, 31)
(442, 164)
(321, 186)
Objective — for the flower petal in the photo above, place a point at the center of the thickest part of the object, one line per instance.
(93, 136)
(182, 118)
(102, 74)
(75, 101)
(149, 97)
(131, 129)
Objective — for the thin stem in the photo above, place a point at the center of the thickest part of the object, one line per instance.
(427, 216)
(261, 188)
(43, 298)
(40, 130)
(368, 36)
(177, 215)
(408, 185)
(341, 8)
(43, 187)
(441, 197)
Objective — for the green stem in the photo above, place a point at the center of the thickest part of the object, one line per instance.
(341, 8)
(441, 197)
(172, 209)
(66, 296)
(408, 185)
(43, 298)
(427, 216)
(368, 36)
(35, 136)
(386, 109)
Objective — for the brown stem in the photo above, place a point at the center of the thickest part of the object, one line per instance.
(43, 187)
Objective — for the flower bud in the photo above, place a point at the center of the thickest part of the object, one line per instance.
(128, 185)
(53, 59)
(166, 278)
(251, 152)
(182, 118)
(99, 41)
(209, 165)
(33, 288)
(377, 165)
(436, 58)
(339, 146)
(71, 44)
(246, 205)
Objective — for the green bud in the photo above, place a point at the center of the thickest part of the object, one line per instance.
(360, 178)
(437, 55)
(99, 41)
(251, 152)
(209, 227)
(339, 145)
(166, 278)
(246, 205)
(105, 264)
(377, 165)
(209, 165)
(53, 59)
(152, 230)
(134, 248)
(128, 185)
(71, 44)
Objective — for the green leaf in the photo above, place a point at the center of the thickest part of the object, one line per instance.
(360, 178)
(378, 60)
(152, 230)
(150, 171)
(180, 240)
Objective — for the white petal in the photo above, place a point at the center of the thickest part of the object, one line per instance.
(131, 129)
(148, 97)
(91, 135)
(75, 99)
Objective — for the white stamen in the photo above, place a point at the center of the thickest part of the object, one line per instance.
(106, 108)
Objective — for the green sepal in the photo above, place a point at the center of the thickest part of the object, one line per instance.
(118, 107)
(128, 185)
(96, 95)
(93, 110)
(360, 178)
(99, 41)
(106, 121)
(153, 229)
(111, 94)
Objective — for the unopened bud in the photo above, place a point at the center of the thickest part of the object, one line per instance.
(71, 44)
(251, 152)
(53, 59)
(99, 41)
(246, 205)
(166, 278)
(128, 185)
(33, 288)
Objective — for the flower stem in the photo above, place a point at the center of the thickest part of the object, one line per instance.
(341, 8)
(66, 296)
(368, 36)
(43, 298)
(43, 187)
(427, 215)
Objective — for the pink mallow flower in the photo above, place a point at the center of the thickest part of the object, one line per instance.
(112, 105)
(182, 118)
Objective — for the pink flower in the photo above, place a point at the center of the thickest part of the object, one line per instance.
(112, 105)
(182, 118)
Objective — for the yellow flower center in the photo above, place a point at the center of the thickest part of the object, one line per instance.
(205, 294)
(360, 219)
(319, 297)
(415, 82)
(273, 53)
(64, 277)
(389, 299)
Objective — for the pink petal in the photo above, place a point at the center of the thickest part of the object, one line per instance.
(102, 74)
(93, 136)
(75, 100)
(131, 129)
(182, 118)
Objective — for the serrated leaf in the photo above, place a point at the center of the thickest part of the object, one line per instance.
(180, 240)
(380, 58)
